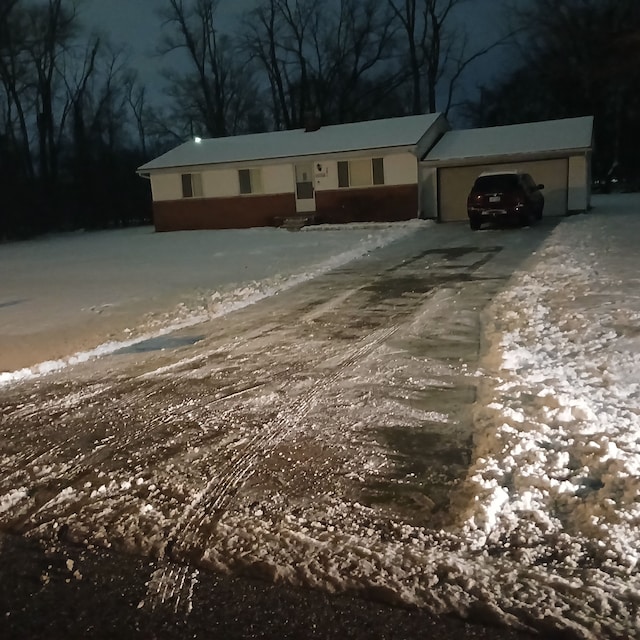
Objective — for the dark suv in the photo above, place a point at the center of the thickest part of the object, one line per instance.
(506, 196)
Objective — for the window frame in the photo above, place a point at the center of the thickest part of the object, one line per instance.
(253, 179)
(191, 185)
(376, 173)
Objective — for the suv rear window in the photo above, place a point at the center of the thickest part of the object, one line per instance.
(502, 182)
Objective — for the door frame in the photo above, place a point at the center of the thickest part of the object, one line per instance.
(305, 204)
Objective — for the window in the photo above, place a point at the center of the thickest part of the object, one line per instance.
(529, 182)
(250, 181)
(343, 174)
(361, 173)
(378, 171)
(497, 182)
(304, 181)
(192, 185)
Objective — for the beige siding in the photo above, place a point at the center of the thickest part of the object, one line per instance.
(428, 192)
(325, 175)
(221, 183)
(278, 178)
(166, 186)
(400, 168)
(455, 183)
(578, 198)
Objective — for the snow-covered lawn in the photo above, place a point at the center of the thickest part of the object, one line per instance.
(69, 298)
(547, 519)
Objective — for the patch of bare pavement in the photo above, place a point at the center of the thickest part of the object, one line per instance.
(65, 591)
(355, 388)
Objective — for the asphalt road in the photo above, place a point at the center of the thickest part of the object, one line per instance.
(60, 591)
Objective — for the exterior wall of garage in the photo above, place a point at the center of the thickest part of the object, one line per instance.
(579, 196)
(428, 188)
(454, 185)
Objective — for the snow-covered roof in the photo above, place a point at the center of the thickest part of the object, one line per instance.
(374, 134)
(533, 138)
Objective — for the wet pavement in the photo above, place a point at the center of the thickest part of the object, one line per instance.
(60, 591)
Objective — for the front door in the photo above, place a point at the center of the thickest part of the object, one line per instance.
(305, 192)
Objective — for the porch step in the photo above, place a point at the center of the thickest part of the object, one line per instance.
(295, 223)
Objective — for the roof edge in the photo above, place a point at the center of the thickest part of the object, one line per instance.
(412, 148)
(515, 157)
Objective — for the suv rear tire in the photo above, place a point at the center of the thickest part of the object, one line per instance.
(475, 223)
(528, 219)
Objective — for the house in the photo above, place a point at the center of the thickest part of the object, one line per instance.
(557, 153)
(364, 171)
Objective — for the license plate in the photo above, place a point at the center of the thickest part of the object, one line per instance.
(494, 198)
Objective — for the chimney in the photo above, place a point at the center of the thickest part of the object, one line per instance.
(311, 121)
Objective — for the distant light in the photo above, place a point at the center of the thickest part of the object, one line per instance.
(197, 140)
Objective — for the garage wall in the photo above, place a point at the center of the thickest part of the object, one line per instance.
(454, 184)
(579, 183)
(428, 192)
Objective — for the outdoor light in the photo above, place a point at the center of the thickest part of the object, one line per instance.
(197, 139)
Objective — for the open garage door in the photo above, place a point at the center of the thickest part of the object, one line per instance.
(454, 184)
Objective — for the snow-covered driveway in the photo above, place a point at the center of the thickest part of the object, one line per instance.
(451, 422)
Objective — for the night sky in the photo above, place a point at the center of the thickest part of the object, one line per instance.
(136, 25)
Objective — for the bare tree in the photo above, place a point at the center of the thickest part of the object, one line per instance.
(275, 38)
(63, 127)
(329, 61)
(218, 88)
(354, 62)
(137, 99)
(17, 80)
(578, 57)
(438, 49)
(53, 27)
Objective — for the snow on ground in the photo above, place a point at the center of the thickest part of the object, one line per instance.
(547, 533)
(72, 297)
(548, 530)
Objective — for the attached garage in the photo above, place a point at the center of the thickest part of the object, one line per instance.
(556, 153)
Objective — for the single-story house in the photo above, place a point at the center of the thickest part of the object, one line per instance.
(557, 153)
(364, 171)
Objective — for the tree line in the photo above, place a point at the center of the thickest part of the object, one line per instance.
(573, 58)
(76, 119)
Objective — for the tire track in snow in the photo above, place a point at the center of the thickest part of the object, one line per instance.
(217, 494)
(71, 472)
(72, 406)
(214, 498)
(171, 585)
